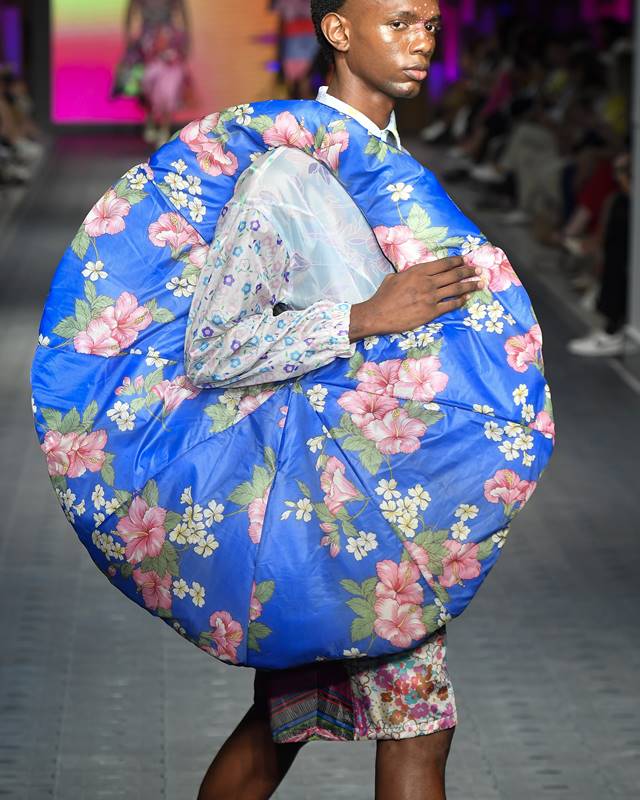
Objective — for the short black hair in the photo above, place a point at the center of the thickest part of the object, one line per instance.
(319, 10)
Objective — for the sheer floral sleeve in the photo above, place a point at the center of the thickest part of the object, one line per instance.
(233, 337)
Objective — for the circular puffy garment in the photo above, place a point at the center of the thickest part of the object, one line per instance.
(353, 510)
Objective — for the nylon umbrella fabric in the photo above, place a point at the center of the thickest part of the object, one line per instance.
(350, 511)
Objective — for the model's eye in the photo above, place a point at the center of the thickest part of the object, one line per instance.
(433, 27)
(398, 25)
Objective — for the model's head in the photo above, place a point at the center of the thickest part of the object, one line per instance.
(385, 44)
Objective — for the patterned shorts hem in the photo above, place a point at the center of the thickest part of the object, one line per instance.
(407, 730)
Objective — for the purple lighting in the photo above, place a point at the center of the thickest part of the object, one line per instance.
(11, 33)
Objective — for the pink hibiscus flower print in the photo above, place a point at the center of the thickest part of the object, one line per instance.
(198, 255)
(496, 268)
(337, 489)
(194, 135)
(58, 448)
(524, 350)
(364, 407)
(87, 454)
(333, 143)
(400, 247)
(156, 591)
(379, 378)
(255, 606)
(399, 582)
(215, 160)
(173, 230)
(107, 216)
(143, 530)
(508, 488)
(250, 402)
(226, 634)
(330, 540)
(287, 131)
(97, 339)
(420, 557)
(127, 319)
(256, 511)
(420, 379)
(396, 432)
(398, 624)
(460, 564)
(173, 393)
(545, 424)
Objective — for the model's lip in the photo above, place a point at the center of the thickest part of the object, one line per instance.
(417, 73)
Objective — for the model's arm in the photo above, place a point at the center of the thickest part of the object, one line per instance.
(233, 337)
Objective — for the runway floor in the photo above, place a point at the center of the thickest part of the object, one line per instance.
(99, 701)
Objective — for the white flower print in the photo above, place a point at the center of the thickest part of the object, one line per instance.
(524, 441)
(354, 547)
(180, 588)
(493, 431)
(97, 496)
(509, 450)
(352, 653)
(470, 243)
(180, 533)
(111, 506)
(407, 520)
(513, 429)
(98, 519)
(154, 359)
(123, 417)
(494, 327)
(316, 396)
(80, 508)
(500, 537)
(175, 182)
(179, 166)
(520, 394)
(304, 509)
(460, 531)
(214, 512)
(243, 114)
(466, 512)
(138, 183)
(179, 287)
(197, 210)
(477, 311)
(195, 185)
(419, 497)
(528, 412)
(94, 270)
(179, 199)
(186, 497)
(315, 443)
(399, 191)
(207, 545)
(370, 342)
(197, 593)
(388, 489)
(528, 459)
(487, 410)
(368, 540)
(44, 340)
(389, 510)
(495, 311)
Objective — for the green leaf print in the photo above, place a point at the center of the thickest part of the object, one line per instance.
(80, 243)
(242, 495)
(361, 607)
(165, 613)
(430, 616)
(369, 587)
(89, 415)
(361, 629)
(419, 221)
(485, 549)
(260, 630)
(67, 328)
(150, 493)
(355, 443)
(441, 593)
(351, 586)
(324, 515)
(376, 147)
(270, 459)
(222, 417)
(163, 315)
(371, 459)
(304, 488)
(166, 562)
(349, 529)
(418, 411)
(261, 123)
(83, 313)
(124, 499)
(153, 378)
(90, 291)
(138, 403)
(171, 520)
(355, 362)
(107, 473)
(264, 591)
(126, 570)
(71, 422)
(52, 417)
(318, 138)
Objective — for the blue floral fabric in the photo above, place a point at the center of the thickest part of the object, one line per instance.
(357, 508)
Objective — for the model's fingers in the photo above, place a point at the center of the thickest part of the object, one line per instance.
(458, 289)
(452, 305)
(442, 265)
(455, 275)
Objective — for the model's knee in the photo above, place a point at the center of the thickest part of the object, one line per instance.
(432, 749)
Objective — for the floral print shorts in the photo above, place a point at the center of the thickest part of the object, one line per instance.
(391, 697)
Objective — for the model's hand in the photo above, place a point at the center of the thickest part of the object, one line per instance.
(418, 295)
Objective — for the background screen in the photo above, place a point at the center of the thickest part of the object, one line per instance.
(231, 58)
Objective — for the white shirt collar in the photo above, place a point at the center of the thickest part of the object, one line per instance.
(329, 100)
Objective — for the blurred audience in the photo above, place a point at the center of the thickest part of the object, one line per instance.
(20, 149)
(543, 124)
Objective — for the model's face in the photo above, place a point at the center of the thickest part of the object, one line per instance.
(388, 44)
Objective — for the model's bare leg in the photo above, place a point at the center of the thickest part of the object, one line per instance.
(413, 769)
(249, 765)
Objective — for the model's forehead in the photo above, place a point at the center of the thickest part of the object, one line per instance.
(421, 9)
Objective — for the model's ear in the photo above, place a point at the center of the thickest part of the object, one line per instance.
(336, 31)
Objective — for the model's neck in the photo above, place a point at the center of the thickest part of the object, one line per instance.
(374, 105)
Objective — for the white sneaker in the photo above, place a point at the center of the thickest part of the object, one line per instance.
(487, 173)
(598, 343)
(433, 131)
(516, 217)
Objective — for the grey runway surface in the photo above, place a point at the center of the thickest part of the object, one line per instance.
(99, 700)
